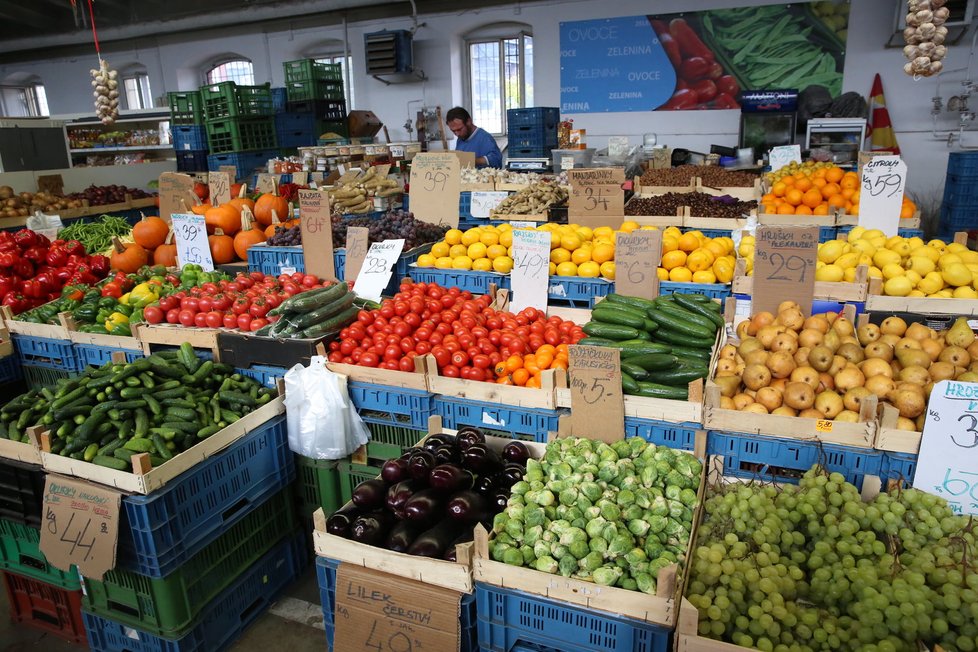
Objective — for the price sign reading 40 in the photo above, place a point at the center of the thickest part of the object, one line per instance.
(784, 266)
(947, 464)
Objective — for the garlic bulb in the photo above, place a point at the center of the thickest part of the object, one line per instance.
(105, 93)
(924, 35)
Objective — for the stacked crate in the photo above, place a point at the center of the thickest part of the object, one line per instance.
(959, 210)
(316, 103)
(240, 126)
(532, 132)
(187, 130)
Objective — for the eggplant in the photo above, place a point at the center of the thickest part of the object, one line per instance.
(339, 522)
(394, 471)
(427, 506)
(449, 478)
(434, 542)
(486, 485)
(481, 459)
(451, 553)
(370, 494)
(468, 507)
(399, 494)
(420, 464)
(498, 501)
(371, 528)
(467, 436)
(515, 451)
(447, 454)
(434, 442)
(510, 475)
(406, 455)
(403, 535)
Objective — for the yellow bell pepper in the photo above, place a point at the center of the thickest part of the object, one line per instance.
(143, 295)
(118, 324)
(124, 299)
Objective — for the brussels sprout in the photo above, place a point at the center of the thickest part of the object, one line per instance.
(499, 551)
(653, 549)
(649, 475)
(637, 445)
(665, 454)
(591, 490)
(620, 545)
(589, 470)
(583, 504)
(576, 461)
(532, 534)
(592, 513)
(579, 549)
(503, 537)
(606, 576)
(515, 513)
(598, 544)
(541, 549)
(620, 448)
(687, 497)
(573, 513)
(595, 526)
(677, 479)
(611, 512)
(640, 567)
(660, 506)
(567, 565)
(513, 557)
(646, 584)
(514, 529)
(546, 564)
(591, 562)
(545, 498)
(662, 468)
(579, 523)
(519, 488)
(536, 485)
(562, 512)
(638, 527)
(676, 509)
(561, 471)
(528, 555)
(643, 498)
(558, 551)
(635, 556)
(608, 472)
(629, 481)
(626, 497)
(556, 486)
(572, 534)
(673, 491)
(515, 501)
(499, 522)
(534, 471)
(657, 523)
(609, 531)
(628, 583)
(534, 515)
(626, 468)
(558, 526)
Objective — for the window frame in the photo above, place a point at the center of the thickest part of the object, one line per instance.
(144, 92)
(224, 62)
(521, 37)
(345, 67)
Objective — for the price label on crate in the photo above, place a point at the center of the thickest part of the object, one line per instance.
(316, 226)
(231, 170)
(219, 188)
(357, 243)
(484, 201)
(375, 613)
(176, 194)
(947, 464)
(300, 178)
(190, 233)
(378, 265)
(637, 257)
(784, 155)
(267, 183)
(597, 404)
(784, 267)
(881, 193)
(530, 275)
(435, 187)
(596, 197)
(79, 525)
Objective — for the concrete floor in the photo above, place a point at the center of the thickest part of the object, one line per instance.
(294, 623)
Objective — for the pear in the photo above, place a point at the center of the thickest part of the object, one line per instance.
(960, 334)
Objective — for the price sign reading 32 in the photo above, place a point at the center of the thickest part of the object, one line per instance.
(947, 464)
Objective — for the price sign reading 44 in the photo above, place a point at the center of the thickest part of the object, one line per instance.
(947, 464)
(191, 237)
(80, 525)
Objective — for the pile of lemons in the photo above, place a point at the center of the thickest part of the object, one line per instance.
(692, 257)
(909, 267)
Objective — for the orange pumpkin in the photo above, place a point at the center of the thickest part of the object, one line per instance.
(238, 189)
(247, 237)
(222, 247)
(166, 253)
(127, 257)
(150, 232)
(240, 202)
(269, 203)
(223, 217)
(200, 209)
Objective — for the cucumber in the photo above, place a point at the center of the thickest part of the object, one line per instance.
(654, 361)
(669, 321)
(611, 331)
(334, 323)
(655, 390)
(628, 384)
(689, 317)
(631, 348)
(597, 341)
(316, 316)
(636, 372)
(626, 307)
(700, 309)
(619, 317)
(686, 341)
(312, 300)
(643, 304)
(112, 463)
(678, 377)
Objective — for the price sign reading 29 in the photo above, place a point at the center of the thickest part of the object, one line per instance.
(947, 464)
(784, 266)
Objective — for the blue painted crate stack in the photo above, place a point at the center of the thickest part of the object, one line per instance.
(959, 210)
(532, 132)
(315, 103)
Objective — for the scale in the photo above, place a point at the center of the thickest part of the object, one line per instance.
(528, 164)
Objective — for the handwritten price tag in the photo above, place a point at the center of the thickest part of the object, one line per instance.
(316, 226)
(80, 525)
(947, 464)
(176, 194)
(884, 179)
(596, 195)
(485, 201)
(435, 187)
(531, 274)
(300, 178)
(267, 183)
(357, 242)
(375, 273)
(192, 246)
(219, 186)
(637, 256)
(784, 155)
(597, 404)
(784, 267)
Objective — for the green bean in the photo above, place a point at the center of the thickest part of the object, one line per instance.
(96, 236)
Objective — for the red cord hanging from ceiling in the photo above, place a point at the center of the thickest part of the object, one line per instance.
(91, 14)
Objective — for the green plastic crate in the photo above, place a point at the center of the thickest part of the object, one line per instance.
(317, 485)
(353, 474)
(20, 552)
(168, 606)
(186, 108)
(229, 100)
(38, 377)
(387, 442)
(311, 70)
(300, 91)
(240, 135)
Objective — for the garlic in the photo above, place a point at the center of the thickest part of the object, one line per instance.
(936, 67)
(924, 16)
(927, 31)
(908, 68)
(940, 51)
(937, 4)
(912, 20)
(926, 49)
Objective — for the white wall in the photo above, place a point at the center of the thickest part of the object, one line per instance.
(175, 63)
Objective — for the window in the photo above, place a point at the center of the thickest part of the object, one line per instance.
(23, 101)
(240, 71)
(500, 78)
(344, 67)
(136, 89)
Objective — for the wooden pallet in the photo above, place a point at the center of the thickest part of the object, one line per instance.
(171, 335)
(50, 331)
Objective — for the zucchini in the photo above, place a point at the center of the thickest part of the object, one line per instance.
(643, 304)
(654, 361)
(701, 309)
(619, 317)
(655, 390)
(611, 331)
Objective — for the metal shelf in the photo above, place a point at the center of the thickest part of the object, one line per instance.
(96, 150)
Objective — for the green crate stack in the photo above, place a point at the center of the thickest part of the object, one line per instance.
(310, 69)
(387, 441)
(186, 108)
(238, 118)
(317, 485)
(20, 552)
(241, 134)
(311, 89)
(352, 474)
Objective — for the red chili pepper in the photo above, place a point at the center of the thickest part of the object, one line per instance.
(684, 98)
(705, 90)
(689, 42)
(668, 43)
(694, 69)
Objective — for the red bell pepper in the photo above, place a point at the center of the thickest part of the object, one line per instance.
(15, 301)
(57, 256)
(63, 274)
(33, 289)
(75, 247)
(6, 237)
(48, 280)
(9, 258)
(42, 240)
(7, 284)
(99, 264)
(112, 289)
(36, 254)
(74, 260)
(24, 268)
(25, 238)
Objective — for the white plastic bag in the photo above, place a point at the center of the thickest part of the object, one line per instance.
(322, 422)
(47, 225)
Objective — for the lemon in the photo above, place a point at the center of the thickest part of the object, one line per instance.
(874, 272)
(585, 232)
(884, 257)
(443, 263)
(893, 241)
(567, 269)
(553, 269)
(608, 270)
(704, 276)
(628, 226)
(902, 247)
(462, 262)
(931, 283)
(898, 286)
(956, 274)
(453, 236)
(554, 240)
(489, 238)
(849, 260)
(939, 245)
(680, 275)
(913, 276)
(915, 242)
(603, 232)
(956, 248)
(829, 252)
(440, 249)
(471, 236)
(856, 233)
(559, 256)
(458, 250)
(946, 293)
(482, 265)
(916, 293)
(830, 273)
(849, 276)
(965, 292)
(969, 257)
(426, 260)
(930, 253)
(662, 273)
(921, 264)
(503, 264)
(506, 238)
(495, 251)
(872, 234)
(589, 269)
(892, 270)
(864, 247)
(476, 251)
(948, 259)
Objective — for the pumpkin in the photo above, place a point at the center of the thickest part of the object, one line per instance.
(222, 247)
(166, 253)
(240, 202)
(127, 257)
(269, 203)
(223, 217)
(200, 209)
(247, 237)
(150, 232)
(201, 190)
(238, 189)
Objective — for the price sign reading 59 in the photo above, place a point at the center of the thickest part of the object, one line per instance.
(191, 238)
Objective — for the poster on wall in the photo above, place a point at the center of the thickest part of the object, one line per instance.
(700, 59)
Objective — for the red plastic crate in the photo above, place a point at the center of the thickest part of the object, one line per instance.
(46, 607)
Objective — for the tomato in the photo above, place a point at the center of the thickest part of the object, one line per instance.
(402, 329)
(244, 281)
(392, 352)
(407, 344)
(244, 322)
(189, 303)
(212, 319)
(308, 280)
(153, 314)
(369, 360)
(259, 308)
(205, 304)
(451, 371)
(405, 364)
(335, 356)
(290, 289)
(347, 346)
(422, 348)
(443, 357)
(169, 303)
(459, 358)
(221, 302)
(186, 317)
(258, 324)
(230, 320)
(481, 361)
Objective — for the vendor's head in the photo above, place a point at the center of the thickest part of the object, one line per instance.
(460, 122)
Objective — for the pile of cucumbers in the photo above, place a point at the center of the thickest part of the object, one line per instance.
(161, 405)
(313, 314)
(665, 343)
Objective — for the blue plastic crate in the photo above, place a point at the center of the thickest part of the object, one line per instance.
(46, 352)
(713, 290)
(963, 163)
(711, 233)
(518, 422)
(464, 206)
(541, 116)
(902, 232)
(961, 196)
(957, 219)
(528, 152)
(245, 162)
(10, 369)
(786, 460)
(264, 374)
(954, 179)
(223, 620)
(174, 523)
(192, 161)
(270, 260)
(509, 618)
(826, 233)
(339, 263)
(474, 282)
(681, 436)
(818, 306)
(295, 121)
(96, 356)
(189, 137)
(326, 574)
(898, 466)
(465, 225)
(398, 406)
(279, 98)
(578, 291)
(520, 137)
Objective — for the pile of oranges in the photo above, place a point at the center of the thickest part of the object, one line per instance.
(526, 370)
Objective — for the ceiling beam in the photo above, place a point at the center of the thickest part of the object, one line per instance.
(22, 14)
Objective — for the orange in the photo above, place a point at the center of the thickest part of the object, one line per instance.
(533, 381)
(674, 259)
(803, 184)
(854, 209)
(547, 348)
(769, 208)
(688, 242)
(837, 200)
(793, 197)
(819, 183)
(786, 209)
(830, 190)
(834, 174)
(803, 210)
(788, 181)
(855, 198)
(850, 182)
(505, 380)
(908, 209)
(812, 198)
(768, 197)
(821, 209)
(500, 368)
(819, 173)
(779, 189)
(544, 360)
(559, 363)
(520, 376)
(562, 350)
(848, 192)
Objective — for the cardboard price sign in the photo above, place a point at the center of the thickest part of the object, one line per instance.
(80, 525)
(784, 155)
(375, 272)
(375, 613)
(637, 257)
(300, 178)
(219, 188)
(883, 181)
(784, 267)
(267, 183)
(316, 227)
(435, 187)
(357, 243)
(596, 193)
(193, 248)
(483, 201)
(530, 277)
(597, 403)
(176, 194)
(947, 465)
(231, 170)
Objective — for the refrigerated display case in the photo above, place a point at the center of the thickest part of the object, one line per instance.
(843, 137)
(767, 119)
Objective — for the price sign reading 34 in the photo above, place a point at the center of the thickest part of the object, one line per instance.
(947, 464)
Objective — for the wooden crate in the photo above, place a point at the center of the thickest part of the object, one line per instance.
(905, 222)
(479, 187)
(512, 217)
(50, 331)
(743, 193)
(719, 223)
(890, 438)
(172, 335)
(773, 219)
(682, 214)
(652, 191)
(857, 291)
(100, 339)
(405, 379)
(922, 305)
(658, 409)
(20, 452)
(510, 395)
